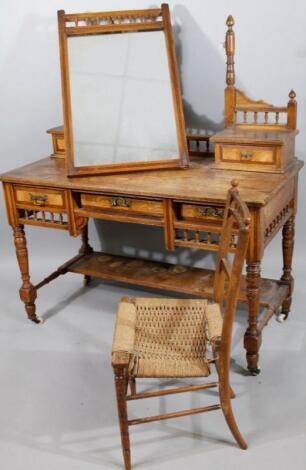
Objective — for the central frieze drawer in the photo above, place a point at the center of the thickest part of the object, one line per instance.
(248, 154)
(122, 204)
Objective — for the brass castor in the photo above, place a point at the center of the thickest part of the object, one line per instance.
(36, 319)
(255, 371)
(281, 317)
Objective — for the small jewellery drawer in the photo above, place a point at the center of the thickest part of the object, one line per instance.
(122, 204)
(59, 144)
(248, 154)
(254, 148)
(207, 212)
(39, 197)
(58, 141)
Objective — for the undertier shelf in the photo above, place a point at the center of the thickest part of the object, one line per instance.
(175, 278)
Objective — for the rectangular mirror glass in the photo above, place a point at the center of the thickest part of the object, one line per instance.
(121, 94)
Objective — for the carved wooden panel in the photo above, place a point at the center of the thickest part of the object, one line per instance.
(275, 224)
(278, 211)
(111, 19)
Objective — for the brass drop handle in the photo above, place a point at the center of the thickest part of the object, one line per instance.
(209, 211)
(246, 155)
(39, 199)
(120, 202)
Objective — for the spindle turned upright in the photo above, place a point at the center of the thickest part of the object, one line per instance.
(188, 205)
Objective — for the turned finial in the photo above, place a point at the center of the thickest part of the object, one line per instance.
(230, 21)
(292, 95)
(292, 110)
(230, 51)
(234, 184)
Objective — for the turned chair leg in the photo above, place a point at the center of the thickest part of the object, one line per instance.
(121, 383)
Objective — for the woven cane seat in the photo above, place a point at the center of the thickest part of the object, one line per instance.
(166, 337)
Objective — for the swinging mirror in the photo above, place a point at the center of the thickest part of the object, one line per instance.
(121, 93)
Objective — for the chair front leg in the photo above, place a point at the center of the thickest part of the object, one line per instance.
(215, 344)
(121, 383)
(225, 400)
(226, 393)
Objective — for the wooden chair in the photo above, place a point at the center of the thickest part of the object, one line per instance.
(157, 338)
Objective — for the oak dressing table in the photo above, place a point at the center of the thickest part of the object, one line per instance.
(187, 204)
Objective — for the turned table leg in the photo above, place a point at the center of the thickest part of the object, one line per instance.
(287, 278)
(252, 337)
(27, 291)
(85, 249)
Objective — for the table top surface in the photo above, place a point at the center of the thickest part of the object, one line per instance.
(200, 182)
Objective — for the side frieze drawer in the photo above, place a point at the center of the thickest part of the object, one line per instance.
(39, 197)
(209, 213)
(42, 207)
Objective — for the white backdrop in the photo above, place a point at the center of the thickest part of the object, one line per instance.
(270, 60)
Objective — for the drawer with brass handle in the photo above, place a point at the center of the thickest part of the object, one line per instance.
(254, 148)
(122, 204)
(39, 197)
(244, 155)
(263, 155)
(207, 213)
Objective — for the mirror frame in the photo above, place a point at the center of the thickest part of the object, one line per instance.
(83, 24)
